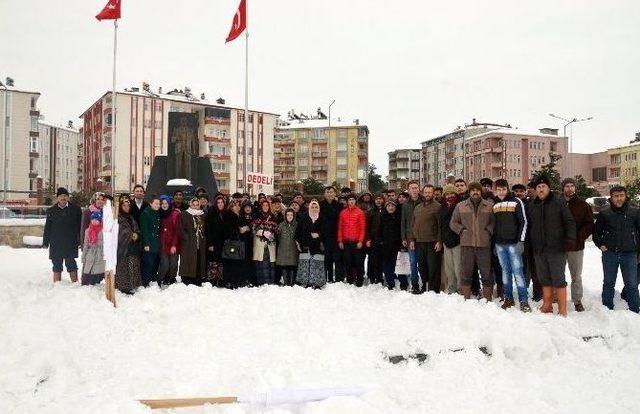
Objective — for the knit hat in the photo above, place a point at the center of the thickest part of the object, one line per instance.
(96, 215)
(486, 181)
(568, 180)
(166, 197)
(541, 180)
(449, 189)
(61, 190)
(390, 202)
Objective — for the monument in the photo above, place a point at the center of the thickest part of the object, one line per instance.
(182, 164)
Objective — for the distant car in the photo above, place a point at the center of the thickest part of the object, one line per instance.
(5, 213)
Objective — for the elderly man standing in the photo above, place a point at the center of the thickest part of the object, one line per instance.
(583, 215)
(473, 221)
(426, 239)
(62, 235)
(552, 229)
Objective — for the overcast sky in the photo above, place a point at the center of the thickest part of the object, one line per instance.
(409, 69)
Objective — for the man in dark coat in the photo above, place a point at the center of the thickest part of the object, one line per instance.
(62, 235)
(616, 234)
(552, 229)
(138, 204)
(583, 215)
(374, 247)
(330, 209)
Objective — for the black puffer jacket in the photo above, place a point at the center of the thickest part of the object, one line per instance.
(618, 229)
(551, 225)
(373, 225)
(389, 234)
(511, 220)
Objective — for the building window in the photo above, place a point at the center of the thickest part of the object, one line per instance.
(33, 147)
(147, 160)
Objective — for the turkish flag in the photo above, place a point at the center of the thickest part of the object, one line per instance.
(239, 21)
(111, 11)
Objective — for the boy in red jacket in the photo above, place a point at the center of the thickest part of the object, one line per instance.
(352, 226)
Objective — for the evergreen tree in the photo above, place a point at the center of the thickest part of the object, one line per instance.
(550, 172)
(582, 190)
(375, 182)
(312, 186)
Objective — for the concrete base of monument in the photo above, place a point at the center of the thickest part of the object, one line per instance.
(163, 179)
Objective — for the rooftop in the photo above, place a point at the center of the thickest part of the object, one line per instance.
(8, 86)
(515, 131)
(180, 95)
(51, 124)
(319, 123)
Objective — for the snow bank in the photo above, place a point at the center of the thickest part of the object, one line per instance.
(66, 350)
(179, 182)
(22, 222)
(33, 241)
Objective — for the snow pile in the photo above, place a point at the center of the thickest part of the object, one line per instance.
(13, 222)
(179, 182)
(33, 241)
(66, 350)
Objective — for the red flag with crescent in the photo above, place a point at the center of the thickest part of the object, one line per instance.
(111, 11)
(239, 21)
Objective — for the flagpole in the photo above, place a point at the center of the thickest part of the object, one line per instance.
(113, 111)
(246, 102)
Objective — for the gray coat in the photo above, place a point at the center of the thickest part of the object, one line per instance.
(287, 254)
(93, 257)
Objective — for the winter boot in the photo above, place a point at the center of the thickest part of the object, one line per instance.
(487, 293)
(579, 307)
(465, 290)
(524, 307)
(508, 303)
(500, 293)
(74, 276)
(561, 294)
(547, 298)
(57, 277)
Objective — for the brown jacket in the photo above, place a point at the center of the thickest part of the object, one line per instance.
(475, 229)
(425, 226)
(583, 215)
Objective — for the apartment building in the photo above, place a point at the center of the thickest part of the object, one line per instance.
(19, 137)
(624, 162)
(142, 132)
(404, 165)
(329, 151)
(58, 158)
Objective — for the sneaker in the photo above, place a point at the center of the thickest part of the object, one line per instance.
(579, 307)
(508, 303)
(524, 307)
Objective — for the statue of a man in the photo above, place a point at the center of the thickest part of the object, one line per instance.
(183, 144)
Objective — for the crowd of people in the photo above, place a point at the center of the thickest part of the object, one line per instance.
(475, 240)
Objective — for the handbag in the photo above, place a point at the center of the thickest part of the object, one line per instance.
(233, 250)
(403, 265)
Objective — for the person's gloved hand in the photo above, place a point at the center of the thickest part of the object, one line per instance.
(520, 248)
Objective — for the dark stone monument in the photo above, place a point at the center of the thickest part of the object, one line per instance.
(182, 161)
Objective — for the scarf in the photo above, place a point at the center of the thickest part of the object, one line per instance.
(93, 208)
(194, 212)
(314, 216)
(92, 233)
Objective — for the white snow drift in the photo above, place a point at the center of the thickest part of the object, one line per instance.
(64, 349)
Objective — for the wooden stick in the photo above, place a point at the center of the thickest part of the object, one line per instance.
(187, 402)
(109, 277)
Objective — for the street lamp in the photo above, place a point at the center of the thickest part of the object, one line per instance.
(330, 105)
(564, 133)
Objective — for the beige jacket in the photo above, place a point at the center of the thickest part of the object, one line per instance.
(475, 228)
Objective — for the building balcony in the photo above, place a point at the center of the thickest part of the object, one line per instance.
(34, 112)
(34, 154)
(218, 157)
(33, 174)
(496, 164)
(217, 121)
(402, 156)
(225, 141)
(34, 134)
(319, 168)
(497, 149)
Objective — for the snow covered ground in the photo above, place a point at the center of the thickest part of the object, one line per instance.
(64, 349)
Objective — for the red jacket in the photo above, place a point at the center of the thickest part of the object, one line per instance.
(352, 225)
(169, 234)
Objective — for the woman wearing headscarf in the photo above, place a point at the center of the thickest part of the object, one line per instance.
(309, 239)
(193, 244)
(150, 229)
(265, 229)
(215, 240)
(169, 241)
(128, 276)
(235, 228)
(93, 263)
(287, 254)
(248, 214)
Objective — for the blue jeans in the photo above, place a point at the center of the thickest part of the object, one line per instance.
(628, 265)
(413, 262)
(512, 268)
